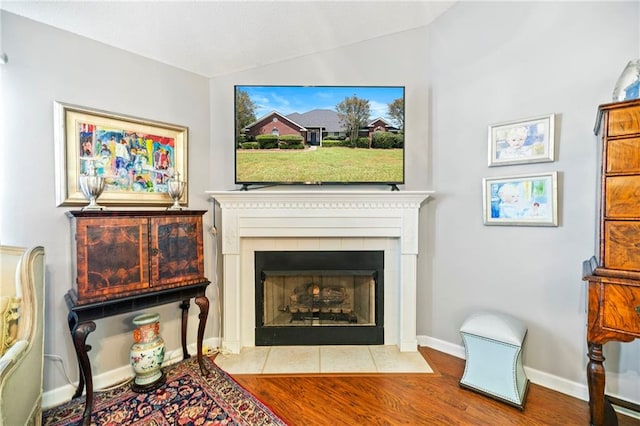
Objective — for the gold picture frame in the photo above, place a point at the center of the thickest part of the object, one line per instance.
(135, 156)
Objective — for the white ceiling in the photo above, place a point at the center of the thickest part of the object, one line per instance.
(217, 37)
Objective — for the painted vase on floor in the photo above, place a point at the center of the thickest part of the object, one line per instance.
(147, 353)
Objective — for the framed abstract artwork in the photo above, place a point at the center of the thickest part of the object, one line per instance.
(523, 141)
(135, 156)
(526, 200)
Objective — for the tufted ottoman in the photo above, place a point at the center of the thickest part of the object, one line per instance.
(493, 346)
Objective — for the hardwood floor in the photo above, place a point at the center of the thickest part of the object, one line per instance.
(395, 399)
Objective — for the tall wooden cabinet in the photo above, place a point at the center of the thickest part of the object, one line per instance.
(613, 275)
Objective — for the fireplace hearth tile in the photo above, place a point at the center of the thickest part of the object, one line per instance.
(248, 361)
(346, 359)
(292, 359)
(389, 359)
(358, 359)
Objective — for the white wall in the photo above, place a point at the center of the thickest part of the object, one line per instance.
(495, 62)
(44, 65)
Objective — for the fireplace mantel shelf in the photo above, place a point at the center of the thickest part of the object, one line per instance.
(325, 214)
(312, 199)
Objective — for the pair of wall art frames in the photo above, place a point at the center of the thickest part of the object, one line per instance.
(523, 200)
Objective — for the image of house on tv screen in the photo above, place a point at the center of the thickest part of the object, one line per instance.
(319, 134)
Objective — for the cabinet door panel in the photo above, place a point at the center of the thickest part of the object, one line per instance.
(622, 195)
(621, 304)
(624, 121)
(111, 257)
(623, 155)
(176, 252)
(622, 245)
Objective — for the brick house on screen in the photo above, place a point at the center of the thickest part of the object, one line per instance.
(274, 123)
(379, 125)
(313, 126)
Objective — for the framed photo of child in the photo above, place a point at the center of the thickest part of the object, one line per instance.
(526, 200)
(524, 141)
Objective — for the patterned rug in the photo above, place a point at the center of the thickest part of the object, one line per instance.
(188, 398)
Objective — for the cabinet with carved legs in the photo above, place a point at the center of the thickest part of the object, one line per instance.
(126, 261)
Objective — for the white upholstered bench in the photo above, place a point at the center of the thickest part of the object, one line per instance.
(493, 345)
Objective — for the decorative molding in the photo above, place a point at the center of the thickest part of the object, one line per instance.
(320, 199)
(299, 204)
(391, 214)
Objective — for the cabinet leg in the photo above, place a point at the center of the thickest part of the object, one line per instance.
(185, 316)
(203, 304)
(72, 320)
(79, 334)
(601, 411)
(610, 416)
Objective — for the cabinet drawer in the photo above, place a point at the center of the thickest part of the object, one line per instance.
(620, 309)
(621, 197)
(623, 155)
(622, 245)
(624, 121)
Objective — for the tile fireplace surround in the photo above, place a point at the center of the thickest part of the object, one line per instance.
(319, 220)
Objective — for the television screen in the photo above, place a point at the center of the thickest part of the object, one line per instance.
(319, 135)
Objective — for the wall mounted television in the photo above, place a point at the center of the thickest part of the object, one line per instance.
(318, 135)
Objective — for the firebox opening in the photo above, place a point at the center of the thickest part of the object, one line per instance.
(319, 297)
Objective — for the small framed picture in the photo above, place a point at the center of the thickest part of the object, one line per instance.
(524, 141)
(526, 200)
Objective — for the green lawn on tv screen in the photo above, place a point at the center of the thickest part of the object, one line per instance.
(327, 165)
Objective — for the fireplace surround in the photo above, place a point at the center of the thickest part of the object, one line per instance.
(319, 220)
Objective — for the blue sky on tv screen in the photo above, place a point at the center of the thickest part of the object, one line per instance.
(290, 99)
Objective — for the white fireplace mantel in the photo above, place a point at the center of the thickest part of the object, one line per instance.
(275, 214)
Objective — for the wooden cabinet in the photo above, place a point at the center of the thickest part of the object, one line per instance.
(125, 261)
(122, 253)
(614, 274)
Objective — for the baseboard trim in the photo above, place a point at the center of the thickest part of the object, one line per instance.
(560, 384)
(442, 346)
(627, 408)
(117, 376)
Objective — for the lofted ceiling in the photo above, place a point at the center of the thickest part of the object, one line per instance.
(217, 37)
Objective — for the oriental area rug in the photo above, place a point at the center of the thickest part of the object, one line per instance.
(187, 398)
